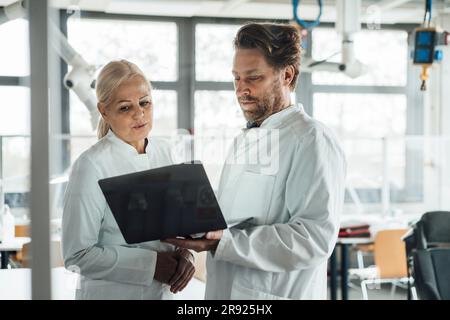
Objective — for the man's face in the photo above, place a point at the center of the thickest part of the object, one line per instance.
(258, 86)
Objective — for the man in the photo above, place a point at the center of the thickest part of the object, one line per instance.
(295, 202)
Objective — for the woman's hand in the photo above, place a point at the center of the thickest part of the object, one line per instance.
(185, 271)
(166, 266)
(175, 269)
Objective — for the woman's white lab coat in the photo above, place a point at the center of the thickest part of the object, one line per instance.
(92, 243)
(296, 201)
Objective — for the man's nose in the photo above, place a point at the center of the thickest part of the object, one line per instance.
(242, 89)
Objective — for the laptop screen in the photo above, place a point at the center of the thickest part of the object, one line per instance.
(163, 203)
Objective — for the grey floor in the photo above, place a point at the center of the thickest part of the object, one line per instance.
(381, 293)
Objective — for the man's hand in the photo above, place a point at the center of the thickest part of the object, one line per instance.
(209, 244)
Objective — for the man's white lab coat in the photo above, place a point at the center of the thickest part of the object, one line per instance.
(296, 202)
(92, 243)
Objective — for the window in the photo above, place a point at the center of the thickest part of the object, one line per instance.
(16, 170)
(365, 112)
(14, 55)
(15, 143)
(221, 106)
(371, 126)
(15, 117)
(214, 97)
(362, 121)
(214, 52)
(362, 115)
(151, 45)
(383, 51)
(164, 112)
(80, 122)
(214, 138)
(15, 110)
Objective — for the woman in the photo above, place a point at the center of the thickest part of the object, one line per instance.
(92, 242)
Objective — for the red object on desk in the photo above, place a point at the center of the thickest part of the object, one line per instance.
(357, 231)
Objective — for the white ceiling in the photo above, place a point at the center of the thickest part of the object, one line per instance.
(392, 11)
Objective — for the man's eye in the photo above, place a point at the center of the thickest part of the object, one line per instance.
(253, 78)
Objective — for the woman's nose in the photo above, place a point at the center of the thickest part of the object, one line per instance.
(139, 113)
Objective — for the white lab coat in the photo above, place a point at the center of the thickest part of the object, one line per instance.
(296, 210)
(92, 243)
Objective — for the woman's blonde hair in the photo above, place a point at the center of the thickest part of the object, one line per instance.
(109, 79)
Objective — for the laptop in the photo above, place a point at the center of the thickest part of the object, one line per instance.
(167, 202)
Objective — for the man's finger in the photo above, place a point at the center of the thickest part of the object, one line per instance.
(188, 244)
(214, 235)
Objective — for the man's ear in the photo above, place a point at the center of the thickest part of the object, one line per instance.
(288, 75)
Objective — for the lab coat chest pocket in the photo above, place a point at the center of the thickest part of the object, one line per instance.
(253, 196)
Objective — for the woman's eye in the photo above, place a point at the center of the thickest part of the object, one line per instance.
(253, 78)
(124, 108)
(144, 103)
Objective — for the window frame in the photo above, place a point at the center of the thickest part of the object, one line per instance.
(186, 85)
(414, 191)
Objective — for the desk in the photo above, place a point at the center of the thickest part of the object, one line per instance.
(344, 243)
(11, 246)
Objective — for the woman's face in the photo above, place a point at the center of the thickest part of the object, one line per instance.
(130, 113)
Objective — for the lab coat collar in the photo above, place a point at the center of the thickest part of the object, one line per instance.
(125, 147)
(277, 118)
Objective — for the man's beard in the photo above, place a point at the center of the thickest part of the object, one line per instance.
(270, 103)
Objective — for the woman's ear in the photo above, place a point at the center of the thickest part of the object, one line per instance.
(101, 109)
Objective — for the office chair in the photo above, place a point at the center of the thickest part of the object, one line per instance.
(363, 250)
(431, 231)
(390, 262)
(432, 273)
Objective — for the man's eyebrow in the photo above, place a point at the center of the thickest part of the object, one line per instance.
(247, 71)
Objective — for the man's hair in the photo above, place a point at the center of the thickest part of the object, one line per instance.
(279, 43)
